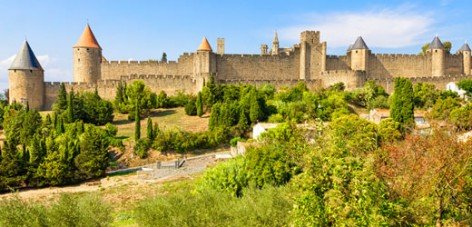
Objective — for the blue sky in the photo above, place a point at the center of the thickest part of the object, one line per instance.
(142, 30)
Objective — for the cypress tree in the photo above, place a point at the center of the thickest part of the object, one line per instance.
(70, 107)
(48, 119)
(402, 105)
(199, 104)
(156, 130)
(214, 116)
(62, 97)
(149, 129)
(242, 122)
(137, 120)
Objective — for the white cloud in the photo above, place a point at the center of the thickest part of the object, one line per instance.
(386, 28)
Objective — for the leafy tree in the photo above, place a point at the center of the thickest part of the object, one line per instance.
(199, 104)
(447, 47)
(462, 117)
(425, 95)
(389, 131)
(191, 108)
(466, 85)
(429, 173)
(402, 106)
(443, 107)
(353, 134)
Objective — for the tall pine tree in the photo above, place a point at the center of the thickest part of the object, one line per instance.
(149, 129)
(137, 120)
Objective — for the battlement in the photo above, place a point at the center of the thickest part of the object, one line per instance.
(155, 77)
(310, 36)
(399, 55)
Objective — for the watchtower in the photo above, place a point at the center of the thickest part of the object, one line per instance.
(437, 57)
(26, 79)
(359, 55)
(87, 57)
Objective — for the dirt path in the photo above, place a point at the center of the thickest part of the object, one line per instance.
(188, 170)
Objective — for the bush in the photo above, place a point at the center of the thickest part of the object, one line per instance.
(142, 147)
(68, 211)
(191, 108)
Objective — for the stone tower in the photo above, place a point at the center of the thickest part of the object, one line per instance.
(437, 57)
(264, 49)
(220, 46)
(312, 58)
(465, 51)
(359, 55)
(26, 79)
(87, 56)
(204, 65)
(275, 45)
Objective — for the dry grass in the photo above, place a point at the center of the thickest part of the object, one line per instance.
(166, 118)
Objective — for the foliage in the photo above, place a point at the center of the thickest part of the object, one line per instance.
(447, 47)
(443, 108)
(267, 207)
(137, 124)
(199, 104)
(67, 211)
(430, 174)
(370, 96)
(389, 131)
(425, 95)
(182, 141)
(352, 134)
(402, 105)
(466, 85)
(141, 147)
(462, 117)
(191, 108)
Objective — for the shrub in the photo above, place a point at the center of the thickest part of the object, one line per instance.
(142, 147)
(191, 108)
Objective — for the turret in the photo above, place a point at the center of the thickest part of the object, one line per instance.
(437, 57)
(87, 56)
(26, 79)
(264, 49)
(312, 55)
(275, 45)
(220, 48)
(359, 55)
(204, 65)
(465, 51)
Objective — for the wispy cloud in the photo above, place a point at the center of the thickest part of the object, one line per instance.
(384, 28)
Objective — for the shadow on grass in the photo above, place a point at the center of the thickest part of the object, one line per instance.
(121, 122)
(161, 113)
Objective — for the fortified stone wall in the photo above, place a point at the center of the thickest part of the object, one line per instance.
(351, 79)
(439, 82)
(113, 70)
(454, 64)
(396, 65)
(334, 62)
(170, 84)
(258, 67)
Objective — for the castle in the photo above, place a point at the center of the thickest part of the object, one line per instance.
(306, 61)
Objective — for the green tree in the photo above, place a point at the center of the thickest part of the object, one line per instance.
(164, 57)
(137, 121)
(149, 130)
(425, 95)
(402, 105)
(61, 102)
(92, 160)
(447, 47)
(199, 104)
(466, 85)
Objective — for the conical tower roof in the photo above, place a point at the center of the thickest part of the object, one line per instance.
(465, 47)
(204, 45)
(359, 44)
(87, 39)
(276, 37)
(25, 59)
(436, 44)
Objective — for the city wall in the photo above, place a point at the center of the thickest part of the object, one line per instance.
(258, 67)
(311, 84)
(334, 62)
(351, 79)
(113, 70)
(398, 65)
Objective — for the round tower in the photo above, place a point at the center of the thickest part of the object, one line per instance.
(203, 67)
(26, 79)
(437, 57)
(87, 57)
(359, 55)
(465, 51)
